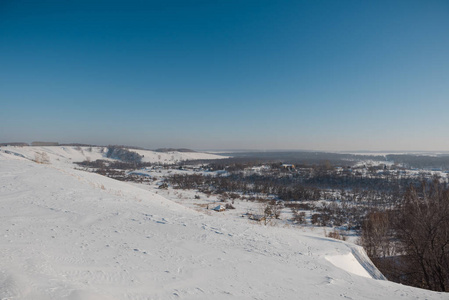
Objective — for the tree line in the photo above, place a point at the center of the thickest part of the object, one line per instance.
(410, 243)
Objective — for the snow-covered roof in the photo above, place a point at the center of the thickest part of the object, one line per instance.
(219, 208)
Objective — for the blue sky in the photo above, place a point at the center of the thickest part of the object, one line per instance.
(322, 75)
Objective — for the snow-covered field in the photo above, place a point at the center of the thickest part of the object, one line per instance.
(174, 156)
(69, 234)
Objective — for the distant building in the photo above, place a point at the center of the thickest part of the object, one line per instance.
(219, 208)
(289, 167)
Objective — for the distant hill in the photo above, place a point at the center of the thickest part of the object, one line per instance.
(19, 144)
(40, 144)
(174, 150)
(63, 154)
(79, 145)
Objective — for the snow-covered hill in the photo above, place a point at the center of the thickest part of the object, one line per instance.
(68, 234)
(69, 154)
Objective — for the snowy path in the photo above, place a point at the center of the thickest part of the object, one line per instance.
(67, 234)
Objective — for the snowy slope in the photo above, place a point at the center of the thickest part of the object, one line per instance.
(174, 156)
(68, 234)
(68, 154)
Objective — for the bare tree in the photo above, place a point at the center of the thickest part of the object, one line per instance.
(422, 227)
(376, 235)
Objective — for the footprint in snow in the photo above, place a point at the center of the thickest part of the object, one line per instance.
(138, 250)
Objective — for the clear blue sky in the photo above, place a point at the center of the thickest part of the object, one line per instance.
(324, 75)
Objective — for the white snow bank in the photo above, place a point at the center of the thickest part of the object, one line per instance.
(357, 262)
(348, 263)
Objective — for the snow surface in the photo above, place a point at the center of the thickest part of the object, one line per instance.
(174, 156)
(68, 154)
(348, 263)
(69, 234)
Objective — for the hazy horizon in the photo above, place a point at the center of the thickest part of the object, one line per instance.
(236, 150)
(319, 75)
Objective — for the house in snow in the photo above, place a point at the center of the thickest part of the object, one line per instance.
(219, 208)
(289, 167)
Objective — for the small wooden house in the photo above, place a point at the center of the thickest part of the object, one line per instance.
(219, 208)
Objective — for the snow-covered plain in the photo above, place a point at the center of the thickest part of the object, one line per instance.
(69, 234)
